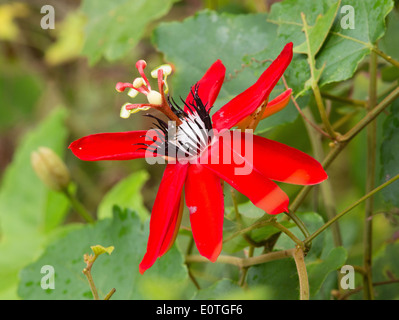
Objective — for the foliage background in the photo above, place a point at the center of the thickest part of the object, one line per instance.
(58, 85)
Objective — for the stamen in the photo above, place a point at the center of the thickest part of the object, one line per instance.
(128, 109)
(139, 85)
(140, 65)
(166, 71)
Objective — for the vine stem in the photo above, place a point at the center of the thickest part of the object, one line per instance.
(354, 102)
(326, 189)
(302, 273)
(385, 56)
(355, 204)
(87, 273)
(244, 262)
(370, 182)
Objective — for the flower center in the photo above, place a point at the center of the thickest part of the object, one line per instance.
(187, 140)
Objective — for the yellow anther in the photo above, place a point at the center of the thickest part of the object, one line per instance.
(138, 82)
(124, 112)
(154, 97)
(167, 70)
(132, 93)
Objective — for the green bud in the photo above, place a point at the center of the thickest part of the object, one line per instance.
(50, 169)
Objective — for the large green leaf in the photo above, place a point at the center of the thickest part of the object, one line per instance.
(25, 215)
(115, 27)
(125, 194)
(320, 269)
(194, 44)
(343, 49)
(164, 280)
(389, 156)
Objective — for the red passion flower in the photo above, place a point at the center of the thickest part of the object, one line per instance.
(183, 138)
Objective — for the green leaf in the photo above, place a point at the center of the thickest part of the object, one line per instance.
(164, 280)
(318, 32)
(115, 27)
(389, 156)
(25, 203)
(279, 276)
(197, 42)
(125, 194)
(319, 270)
(389, 44)
(232, 38)
(343, 49)
(99, 249)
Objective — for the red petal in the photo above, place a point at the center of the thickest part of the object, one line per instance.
(209, 85)
(173, 229)
(111, 146)
(204, 199)
(263, 192)
(277, 104)
(278, 161)
(164, 213)
(248, 101)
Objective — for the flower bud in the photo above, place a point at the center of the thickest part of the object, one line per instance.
(50, 169)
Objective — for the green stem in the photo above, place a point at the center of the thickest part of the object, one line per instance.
(245, 269)
(385, 56)
(298, 222)
(353, 102)
(289, 233)
(245, 262)
(87, 273)
(355, 204)
(370, 181)
(109, 295)
(326, 189)
(80, 209)
(302, 274)
(322, 110)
